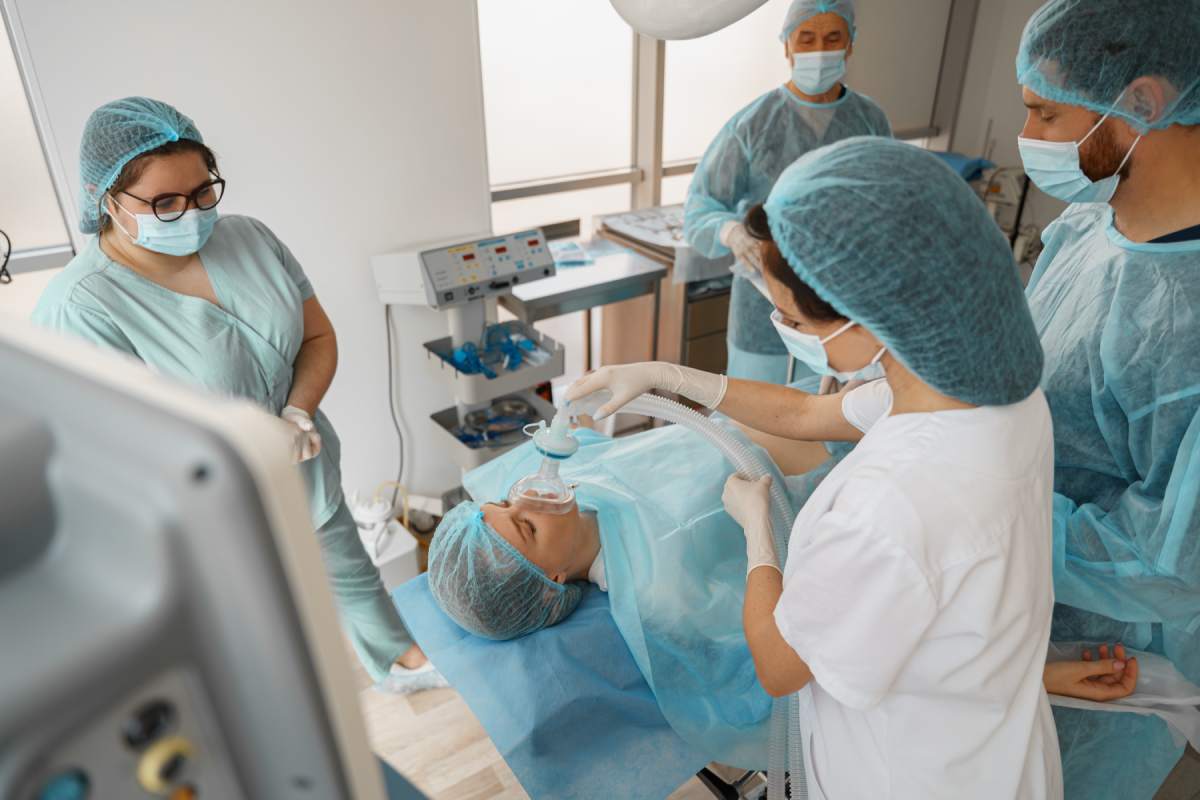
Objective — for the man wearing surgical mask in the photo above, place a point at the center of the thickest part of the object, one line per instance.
(812, 109)
(1113, 92)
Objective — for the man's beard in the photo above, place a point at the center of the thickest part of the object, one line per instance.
(1100, 156)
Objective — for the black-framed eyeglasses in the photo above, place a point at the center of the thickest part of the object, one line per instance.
(171, 206)
(5, 252)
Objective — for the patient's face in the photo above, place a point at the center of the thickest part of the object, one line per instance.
(551, 541)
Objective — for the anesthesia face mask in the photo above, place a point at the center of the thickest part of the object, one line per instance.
(545, 491)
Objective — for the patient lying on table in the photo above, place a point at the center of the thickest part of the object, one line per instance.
(649, 528)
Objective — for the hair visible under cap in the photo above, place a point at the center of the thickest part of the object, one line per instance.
(774, 264)
(133, 171)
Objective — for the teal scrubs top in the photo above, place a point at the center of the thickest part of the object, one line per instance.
(245, 348)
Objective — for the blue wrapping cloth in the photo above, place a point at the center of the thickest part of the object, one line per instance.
(1119, 323)
(566, 706)
(676, 568)
(968, 168)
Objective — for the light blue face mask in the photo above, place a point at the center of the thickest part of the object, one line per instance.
(809, 350)
(183, 237)
(1054, 168)
(816, 73)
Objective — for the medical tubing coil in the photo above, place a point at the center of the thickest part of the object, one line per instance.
(787, 736)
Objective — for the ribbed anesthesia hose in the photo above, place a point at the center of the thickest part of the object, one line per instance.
(786, 757)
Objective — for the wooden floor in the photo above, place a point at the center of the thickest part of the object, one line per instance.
(434, 740)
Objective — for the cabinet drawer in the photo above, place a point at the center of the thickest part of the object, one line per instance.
(708, 316)
(706, 352)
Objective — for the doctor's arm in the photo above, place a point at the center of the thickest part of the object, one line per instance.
(1151, 533)
(789, 413)
(720, 181)
(777, 410)
(1099, 678)
(780, 671)
(316, 362)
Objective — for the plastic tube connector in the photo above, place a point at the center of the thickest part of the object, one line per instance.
(556, 441)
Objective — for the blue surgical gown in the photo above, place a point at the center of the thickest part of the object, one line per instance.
(245, 348)
(737, 172)
(1119, 323)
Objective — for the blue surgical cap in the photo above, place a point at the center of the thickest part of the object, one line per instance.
(895, 240)
(115, 134)
(800, 11)
(484, 583)
(1087, 53)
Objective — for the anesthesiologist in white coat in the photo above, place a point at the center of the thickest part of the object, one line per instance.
(913, 607)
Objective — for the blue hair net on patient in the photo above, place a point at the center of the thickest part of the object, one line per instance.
(676, 568)
(484, 583)
(1088, 52)
(800, 11)
(115, 134)
(896, 241)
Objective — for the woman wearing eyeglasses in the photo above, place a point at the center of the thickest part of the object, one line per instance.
(220, 303)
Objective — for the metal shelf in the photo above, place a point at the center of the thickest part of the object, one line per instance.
(477, 389)
(470, 457)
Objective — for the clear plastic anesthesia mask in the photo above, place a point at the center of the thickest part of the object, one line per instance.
(545, 491)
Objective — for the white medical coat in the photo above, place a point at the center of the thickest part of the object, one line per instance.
(918, 590)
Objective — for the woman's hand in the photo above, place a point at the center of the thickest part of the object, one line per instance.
(1100, 679)
(749, 503)
(745, 247)
(627, 382)
(306, 442)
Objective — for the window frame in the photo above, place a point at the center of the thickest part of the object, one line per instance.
(647, 169)
(57, 254)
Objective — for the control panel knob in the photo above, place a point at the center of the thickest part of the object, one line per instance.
(73, 784)
(162, 765)
(148, 723)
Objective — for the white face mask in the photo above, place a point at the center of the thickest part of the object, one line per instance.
(809, 350)
(183, 237)
(1054, 168)
(816, 73)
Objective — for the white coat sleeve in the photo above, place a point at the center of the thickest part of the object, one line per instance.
(854, 607)
(868, 404)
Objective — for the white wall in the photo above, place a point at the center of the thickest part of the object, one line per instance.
(991, 95)
(351, 129)
(897, 56)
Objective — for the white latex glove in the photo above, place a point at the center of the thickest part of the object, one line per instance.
(629, 381)
(746, 249)
(306, 442)
(749, 503)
